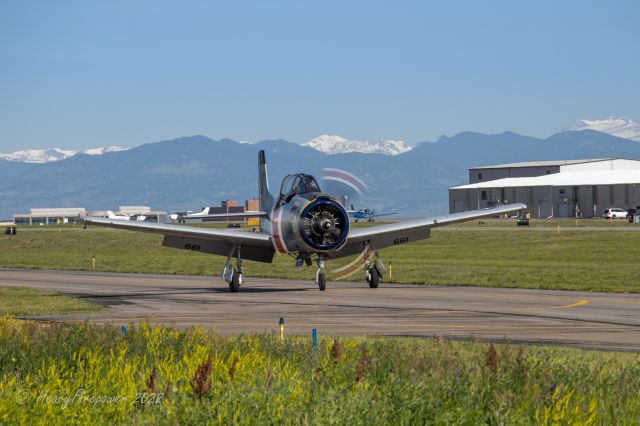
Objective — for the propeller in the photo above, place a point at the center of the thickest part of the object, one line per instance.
(342, 185)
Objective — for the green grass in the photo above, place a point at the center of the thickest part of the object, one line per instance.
(26, 301)
(149, 375)
(573, 260)
(552, 223)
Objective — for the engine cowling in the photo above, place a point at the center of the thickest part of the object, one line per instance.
(324, 224)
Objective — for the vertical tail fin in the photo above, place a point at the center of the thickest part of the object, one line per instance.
(266, 199)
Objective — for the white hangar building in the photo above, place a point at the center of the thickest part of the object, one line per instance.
(565, 188)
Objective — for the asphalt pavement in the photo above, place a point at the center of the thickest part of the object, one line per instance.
(591, 320)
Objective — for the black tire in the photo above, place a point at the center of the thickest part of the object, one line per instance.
(374, 278)
(234, 285)
(322, 281)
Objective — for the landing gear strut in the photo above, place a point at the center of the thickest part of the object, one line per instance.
(233, 276)
(321, 279)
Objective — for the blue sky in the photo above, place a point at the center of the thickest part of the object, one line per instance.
(78, 74)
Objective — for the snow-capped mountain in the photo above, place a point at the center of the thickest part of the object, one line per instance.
(54, 154)
(38, 155)
(332, 144)
(103, 150)
(622, 127)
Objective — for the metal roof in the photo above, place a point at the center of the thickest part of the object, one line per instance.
(549, 163)
(593, 177)
(58, 211)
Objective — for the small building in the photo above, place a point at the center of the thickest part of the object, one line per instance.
(135, 210)
(566, 188)
(49, 216)
(58, 216)
(231, 206)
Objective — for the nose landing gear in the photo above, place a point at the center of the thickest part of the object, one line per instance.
(321, 278)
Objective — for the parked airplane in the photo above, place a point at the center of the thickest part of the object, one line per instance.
(205, 214)
(189, 214)
(177, 216)
(139, 218)
(303, 222)
(368, 214)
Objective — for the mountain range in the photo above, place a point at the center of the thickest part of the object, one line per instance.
(620, 126)
(332, 144)
(54, 154)
(191, 172)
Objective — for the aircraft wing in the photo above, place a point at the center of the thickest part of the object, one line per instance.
(255, 246)
(413, 230)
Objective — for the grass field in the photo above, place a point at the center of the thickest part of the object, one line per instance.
(552, 223)
(82, 374)
(26, 301)
(574, 260)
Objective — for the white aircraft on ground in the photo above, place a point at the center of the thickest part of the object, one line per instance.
(138, 218)
(180, 217)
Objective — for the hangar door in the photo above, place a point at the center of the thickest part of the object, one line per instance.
(544, 209)
(563, 210)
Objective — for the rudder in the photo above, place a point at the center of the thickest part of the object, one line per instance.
(266, 199)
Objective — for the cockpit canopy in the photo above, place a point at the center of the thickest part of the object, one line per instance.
(298, 184)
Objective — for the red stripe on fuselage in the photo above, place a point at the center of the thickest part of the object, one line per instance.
(275, 230)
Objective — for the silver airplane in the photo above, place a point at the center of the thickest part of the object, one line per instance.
(303, 222)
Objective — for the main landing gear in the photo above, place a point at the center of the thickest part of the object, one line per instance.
(373, 268)
(233, 276)
(372, 275)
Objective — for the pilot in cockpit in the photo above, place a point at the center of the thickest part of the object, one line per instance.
(298, 184)
(307, 183)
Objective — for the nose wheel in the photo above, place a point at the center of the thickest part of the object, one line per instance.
(321, 278)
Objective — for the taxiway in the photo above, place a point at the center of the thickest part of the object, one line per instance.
(591, 320)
